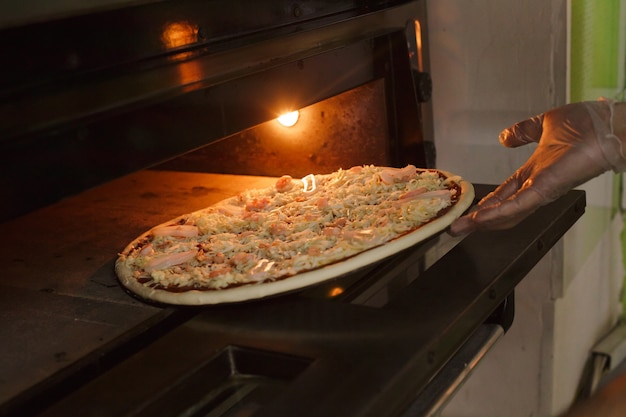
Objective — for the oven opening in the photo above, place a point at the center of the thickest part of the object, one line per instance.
(340, 132)
(348, 129)
(357, 103)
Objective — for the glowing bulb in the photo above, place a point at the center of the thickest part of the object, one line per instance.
(289, 119)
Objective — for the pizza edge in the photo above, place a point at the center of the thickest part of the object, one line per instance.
(298, 281)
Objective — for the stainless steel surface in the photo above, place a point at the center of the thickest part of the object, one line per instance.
(606, 355)
(432, 401)
(613, 345)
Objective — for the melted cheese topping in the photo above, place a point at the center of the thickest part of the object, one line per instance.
(292, 227)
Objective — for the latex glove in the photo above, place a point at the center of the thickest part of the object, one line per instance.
(575, 144)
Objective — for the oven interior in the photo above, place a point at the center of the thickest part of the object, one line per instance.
(194, 85)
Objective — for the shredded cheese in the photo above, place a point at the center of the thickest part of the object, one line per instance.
(295, 226)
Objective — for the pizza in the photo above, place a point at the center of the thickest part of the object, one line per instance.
(291, 235)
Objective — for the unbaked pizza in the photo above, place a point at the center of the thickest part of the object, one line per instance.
(291, 235)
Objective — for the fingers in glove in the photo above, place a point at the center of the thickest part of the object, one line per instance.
(505, 190)
(466, 224)
(522, 133)
(493, 215)
(462, 226)
(510, 212)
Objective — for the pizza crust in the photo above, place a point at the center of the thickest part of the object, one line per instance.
(299, 281)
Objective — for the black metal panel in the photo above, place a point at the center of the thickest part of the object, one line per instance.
(69, 40)
(125, 84)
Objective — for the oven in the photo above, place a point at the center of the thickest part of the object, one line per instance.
(122, 116)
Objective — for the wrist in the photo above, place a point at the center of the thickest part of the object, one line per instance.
(619, 121)
(609, 120)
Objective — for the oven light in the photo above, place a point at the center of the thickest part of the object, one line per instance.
(289, 119)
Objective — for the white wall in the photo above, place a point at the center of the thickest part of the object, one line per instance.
(495, 62)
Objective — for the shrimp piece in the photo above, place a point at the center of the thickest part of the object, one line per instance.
(218, 272)
(147, 250)
(284, 184)
(340, 222)
(253, 216)
(396, 175)
(257, 204)
(322, 202)
(331, 231)
(166, 261)
(180, 230)
(310, 216)
(242, 258)
(442, 194)
(278, 229)
(314, 251)
(413, 193)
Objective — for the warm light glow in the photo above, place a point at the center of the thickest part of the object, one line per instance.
(189, 72)
(335, 291)
(177, 34)
(289, 119)
(308, 183)
(418, 42)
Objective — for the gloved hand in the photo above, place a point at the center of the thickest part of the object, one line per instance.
(576, 143)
